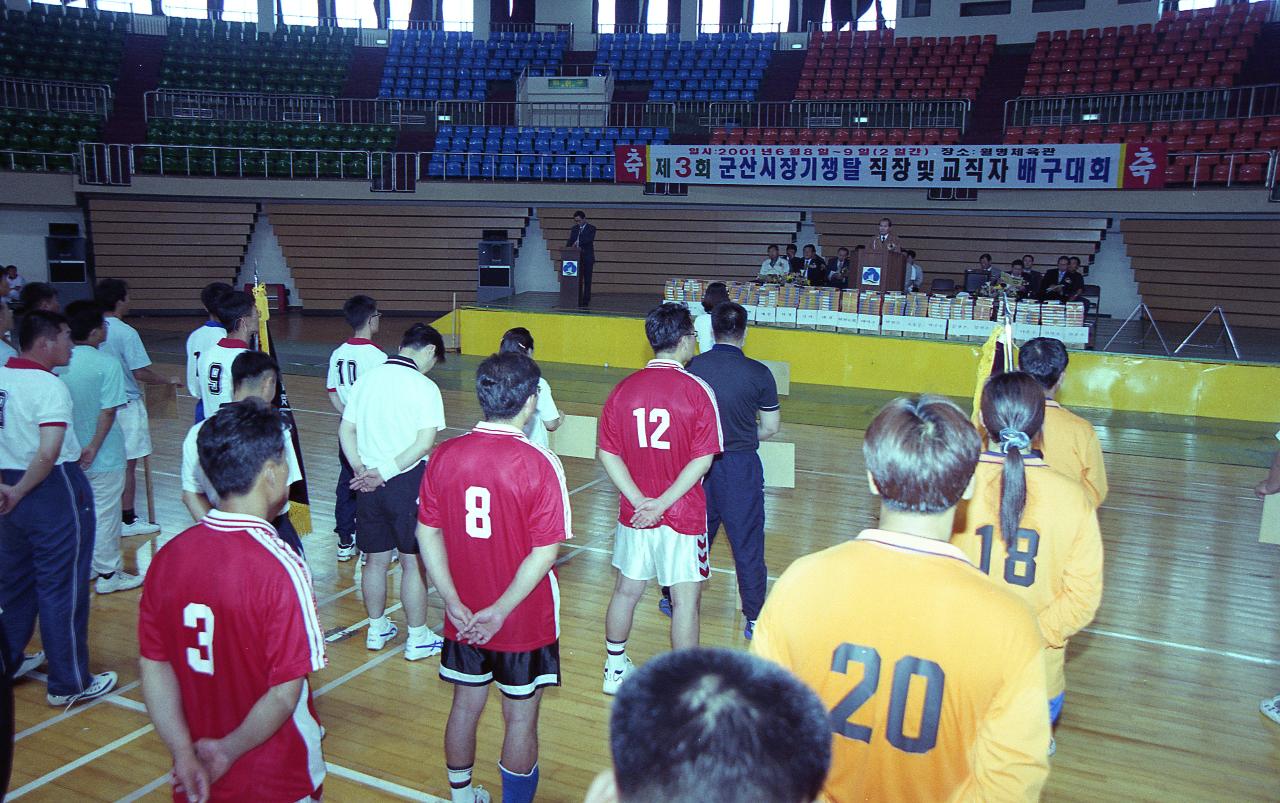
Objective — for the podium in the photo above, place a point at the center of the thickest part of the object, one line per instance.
(882, 271)
(570, 285)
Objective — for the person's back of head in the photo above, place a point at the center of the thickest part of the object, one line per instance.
(717, 293)
(38, 296)
(715, 725)
(517, 340)
(237, 444)
(84, 317)
(505, 382)
(357, 311)
(211, 293)
(729, 322)
(419, 336)
(109, 293)
(921, 453)
(232, 308)
(1044, 358)
(1013, 413)
(251, 368)
(666, 325)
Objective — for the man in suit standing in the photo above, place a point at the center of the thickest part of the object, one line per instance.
(583, 236)
(885, 239)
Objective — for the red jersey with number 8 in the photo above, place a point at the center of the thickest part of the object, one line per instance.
(658, 420)
(495, 497)
(229, 607)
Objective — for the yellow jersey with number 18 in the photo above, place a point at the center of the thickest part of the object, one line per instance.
(932, 674)
(1056, 562)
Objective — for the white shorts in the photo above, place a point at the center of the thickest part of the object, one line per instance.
(661, 553)
(136, 428)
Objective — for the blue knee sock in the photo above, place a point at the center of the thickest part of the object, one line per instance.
(518, 788)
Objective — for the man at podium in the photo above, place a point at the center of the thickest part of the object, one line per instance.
(885, 239)
(583, 236)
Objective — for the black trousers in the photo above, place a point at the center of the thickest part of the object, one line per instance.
(735, 498)
(585, 265)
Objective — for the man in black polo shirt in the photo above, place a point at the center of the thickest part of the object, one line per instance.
(747, 398)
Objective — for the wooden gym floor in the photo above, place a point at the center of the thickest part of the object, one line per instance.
(1163, 688)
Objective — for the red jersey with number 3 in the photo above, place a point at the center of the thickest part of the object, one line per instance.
(496, 496)
(658, 420)
(229, 607)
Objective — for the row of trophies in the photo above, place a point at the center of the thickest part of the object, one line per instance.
(831, 309)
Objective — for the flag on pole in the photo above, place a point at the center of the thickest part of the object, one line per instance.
(997, 356)
(299, 500)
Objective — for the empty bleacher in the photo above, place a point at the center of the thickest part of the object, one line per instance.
(234, 57)
(716, 67)
(835, 136)
(168, 250)
(410, 257)
(947, 245)
(44, 133)
(522, 152)
(452, 65)
(61, 43)
(872, 64)
(1189, 50)
(638, 249)
(1186, 267)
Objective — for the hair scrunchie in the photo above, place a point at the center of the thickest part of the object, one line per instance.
(1015, 437)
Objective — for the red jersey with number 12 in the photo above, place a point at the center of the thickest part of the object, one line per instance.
(229, 607)
(658, 420)
(496, 496)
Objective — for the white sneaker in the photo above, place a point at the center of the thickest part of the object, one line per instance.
(119, 581)
(481, 794)
(613, 677)
(347, 552)
(140, 527)
(364, 558)
(1053, 745)
(102, 684)
(431, 645)
(29, 664)
(1271, 709)
(376, 641)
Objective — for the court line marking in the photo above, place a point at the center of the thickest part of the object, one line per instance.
(72, 710)
(339, 635)
(390, 787)
(1239, 656)
(80, 762)
(138, 794)
(359, 670)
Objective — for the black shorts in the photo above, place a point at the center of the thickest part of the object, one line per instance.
(388, 516)
(518, 674)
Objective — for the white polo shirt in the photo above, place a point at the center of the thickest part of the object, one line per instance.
(350, 361)
(198, 342)
(536, 429)
(195, 481)
(124, 343)
(389, 406)
(215, 373)
(31, 398)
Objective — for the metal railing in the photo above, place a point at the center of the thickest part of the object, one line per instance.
(461, 112)
(150, 25)
(829, 114)
(529, 167)
(223, 162)
(1233, 159)
(1143, 107)
(429, 25)
(55, 96)
(617, 28)
(37, 161)
(250, 107)
(532, 27)
(739, 27)
(862, 24)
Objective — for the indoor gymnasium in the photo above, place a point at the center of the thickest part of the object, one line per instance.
(778, 400)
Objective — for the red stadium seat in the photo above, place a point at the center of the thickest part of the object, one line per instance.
(1249, 174)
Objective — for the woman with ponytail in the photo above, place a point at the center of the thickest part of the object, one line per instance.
(1028, 527)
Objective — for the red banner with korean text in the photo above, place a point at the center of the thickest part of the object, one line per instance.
(630, 165)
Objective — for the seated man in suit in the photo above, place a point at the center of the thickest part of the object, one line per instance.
(796, 263)
(1063, 283)
(984, 265)
(838, 269)
(1027, 280)
(814, 266)
(885, 239)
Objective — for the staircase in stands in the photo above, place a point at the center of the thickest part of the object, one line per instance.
(139, 74)
(1003, 82)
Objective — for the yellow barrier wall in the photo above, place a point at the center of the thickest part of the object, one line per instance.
(1242, 391)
